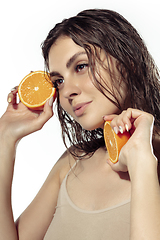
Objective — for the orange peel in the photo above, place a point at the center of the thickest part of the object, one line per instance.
(114, 142)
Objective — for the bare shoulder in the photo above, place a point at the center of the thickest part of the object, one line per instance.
(29, 224)
(62, 166)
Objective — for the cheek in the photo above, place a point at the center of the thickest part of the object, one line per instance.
(65, 104)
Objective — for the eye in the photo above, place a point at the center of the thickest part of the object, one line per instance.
(80, 67)
(57, 83)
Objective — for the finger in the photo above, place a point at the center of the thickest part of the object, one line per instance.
(117, 167)
(46, 114)
(15, 89)
(124, 121)
(135, 117)
(12, 96)
(118, 124)
(109, 117)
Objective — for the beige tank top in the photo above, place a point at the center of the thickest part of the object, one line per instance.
(72, 223)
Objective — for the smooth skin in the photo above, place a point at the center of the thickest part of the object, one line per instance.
(134, 176)
(76, 85)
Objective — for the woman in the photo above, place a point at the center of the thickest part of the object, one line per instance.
(102, 71)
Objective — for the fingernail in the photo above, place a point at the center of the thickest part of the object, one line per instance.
(51, 101)
(127, 127)
(115, 130)
(104, 118)
(9, 100)
(121, 129)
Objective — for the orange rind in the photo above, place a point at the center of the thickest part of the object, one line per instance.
(114, 142)
(35, 89)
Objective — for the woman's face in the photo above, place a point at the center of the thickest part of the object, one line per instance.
(68, 65)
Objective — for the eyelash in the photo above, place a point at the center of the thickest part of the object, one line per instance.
(55, 83)
(80, 65)
(78, 68)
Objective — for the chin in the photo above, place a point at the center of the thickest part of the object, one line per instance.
(93, 126)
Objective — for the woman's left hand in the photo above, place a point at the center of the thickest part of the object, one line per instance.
(139, 146)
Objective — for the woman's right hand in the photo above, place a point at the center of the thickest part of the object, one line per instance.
(19, 121)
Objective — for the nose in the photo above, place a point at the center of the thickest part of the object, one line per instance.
(71, 87)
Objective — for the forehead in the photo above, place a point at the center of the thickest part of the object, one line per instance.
(62, 50)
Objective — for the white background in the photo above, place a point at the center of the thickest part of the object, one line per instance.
(24, 25)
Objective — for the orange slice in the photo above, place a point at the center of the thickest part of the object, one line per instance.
(35, 89)
(114, 142)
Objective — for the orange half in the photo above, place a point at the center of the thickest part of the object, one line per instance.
(114, 142)
(35, 89)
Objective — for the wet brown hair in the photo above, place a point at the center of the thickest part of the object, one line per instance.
(108, 30)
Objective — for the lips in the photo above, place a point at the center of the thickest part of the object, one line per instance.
(79, 108)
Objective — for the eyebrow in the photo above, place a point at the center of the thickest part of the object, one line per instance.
(69, 63)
